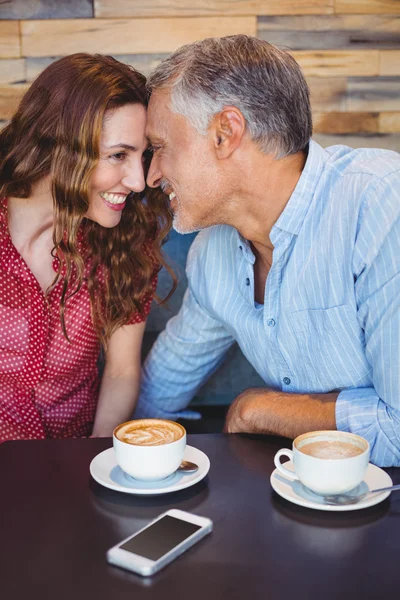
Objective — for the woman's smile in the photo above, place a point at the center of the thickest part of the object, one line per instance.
(114, 201)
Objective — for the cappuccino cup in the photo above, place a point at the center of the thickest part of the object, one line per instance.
(149, 449)
(327, 462)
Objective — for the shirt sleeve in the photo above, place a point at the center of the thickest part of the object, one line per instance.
(374, 412)
(190, 348)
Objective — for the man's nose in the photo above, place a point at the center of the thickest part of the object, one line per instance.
(134, 178)
(154, 174)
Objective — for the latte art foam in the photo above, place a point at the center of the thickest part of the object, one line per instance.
(149, 432)
(331, 449)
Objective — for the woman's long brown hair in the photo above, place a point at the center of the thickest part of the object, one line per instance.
(56, 131)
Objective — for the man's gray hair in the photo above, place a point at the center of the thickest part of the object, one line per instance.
(265, 83)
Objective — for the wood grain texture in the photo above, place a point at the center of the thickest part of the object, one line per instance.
(389, 62)
(45, 9)
(327, 93)
(328, 32)
(373, 94)
(386, 141)
(129, 36)
(340, 122)
(34, 66)
(209, 8)
(12, 71)
(10, 97)
(389, 122)
(328, 63)
(367, 6)
(9, 39)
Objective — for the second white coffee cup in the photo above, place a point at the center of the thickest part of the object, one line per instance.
(327, 462)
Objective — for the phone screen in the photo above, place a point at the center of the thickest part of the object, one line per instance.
(159, 538)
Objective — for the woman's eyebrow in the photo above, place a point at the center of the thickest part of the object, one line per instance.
(122, 145)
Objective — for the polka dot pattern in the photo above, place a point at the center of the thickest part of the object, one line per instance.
(48, 387)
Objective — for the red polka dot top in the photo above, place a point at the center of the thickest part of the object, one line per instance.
(48, 386)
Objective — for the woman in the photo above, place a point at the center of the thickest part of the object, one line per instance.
(79, 250)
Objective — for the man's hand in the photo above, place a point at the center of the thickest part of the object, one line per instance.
(260, 410)
(247, 411)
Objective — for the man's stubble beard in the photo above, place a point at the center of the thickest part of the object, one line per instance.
(183, 229)
(179, 227)
(189, 225)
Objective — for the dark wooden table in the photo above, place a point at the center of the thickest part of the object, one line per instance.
(57, 523)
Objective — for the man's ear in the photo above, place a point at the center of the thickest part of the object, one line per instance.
(227, 130)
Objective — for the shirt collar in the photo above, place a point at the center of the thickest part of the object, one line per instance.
(292, 217)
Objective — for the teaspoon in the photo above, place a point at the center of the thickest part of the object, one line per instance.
(188, 467)
(343, 499)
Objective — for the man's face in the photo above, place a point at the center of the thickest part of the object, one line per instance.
(183, 164)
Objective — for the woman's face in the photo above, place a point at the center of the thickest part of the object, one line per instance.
(120, 167)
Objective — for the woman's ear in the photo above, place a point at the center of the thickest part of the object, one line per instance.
(227, 129)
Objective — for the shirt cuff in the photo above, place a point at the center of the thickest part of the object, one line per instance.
(361, 411)
(357, 409)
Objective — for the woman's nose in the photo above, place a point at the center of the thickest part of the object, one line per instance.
(134, 178)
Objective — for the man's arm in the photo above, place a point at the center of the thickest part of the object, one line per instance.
(120, 383)
(373, 412)
(184, 355)
(259, 410)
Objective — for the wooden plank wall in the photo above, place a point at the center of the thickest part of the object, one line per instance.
(349, 49)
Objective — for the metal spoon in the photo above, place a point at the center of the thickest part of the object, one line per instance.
(188, 467)
(343, 499)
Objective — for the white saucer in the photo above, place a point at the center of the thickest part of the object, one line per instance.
(295, 492)
(105, 470)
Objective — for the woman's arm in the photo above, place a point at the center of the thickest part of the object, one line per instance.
(121, 379)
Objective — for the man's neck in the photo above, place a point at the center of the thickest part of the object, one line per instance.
(266, 187)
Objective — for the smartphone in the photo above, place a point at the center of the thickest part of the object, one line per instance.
(156, 545)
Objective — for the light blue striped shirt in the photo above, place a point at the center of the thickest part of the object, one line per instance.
(330, 319)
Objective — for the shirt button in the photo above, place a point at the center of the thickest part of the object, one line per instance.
(247, 281)
(271, 323)
(286, 380)
(240, 247)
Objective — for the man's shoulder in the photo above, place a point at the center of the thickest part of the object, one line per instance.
(364, 188)
(363, 184)
(374, 162)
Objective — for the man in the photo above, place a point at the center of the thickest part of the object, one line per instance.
(299, 258)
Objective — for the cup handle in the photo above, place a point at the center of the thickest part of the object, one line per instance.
(285, 472)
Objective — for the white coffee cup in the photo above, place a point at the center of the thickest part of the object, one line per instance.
(149, 449)
(327, 462)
